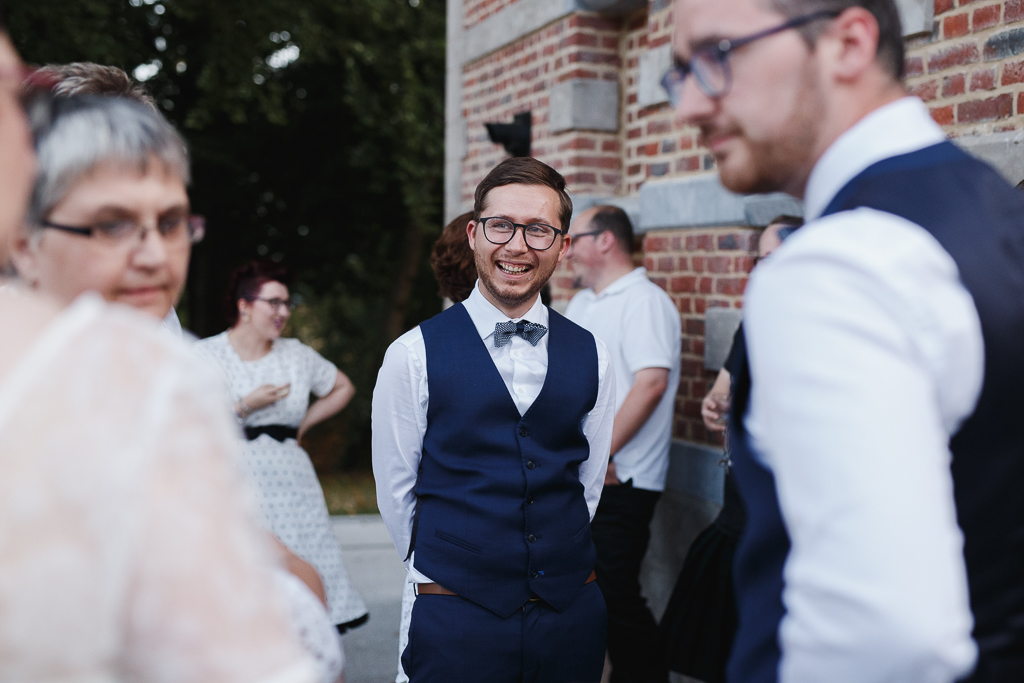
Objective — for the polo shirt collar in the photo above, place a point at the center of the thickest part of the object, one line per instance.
(623, 283)
(485, 315)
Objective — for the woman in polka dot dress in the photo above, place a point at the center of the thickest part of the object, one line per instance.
(270, 379)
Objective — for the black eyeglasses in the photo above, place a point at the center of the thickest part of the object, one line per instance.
(278, 303)
(588, 234)
(181, 229)
(710, 64)
(539, 236)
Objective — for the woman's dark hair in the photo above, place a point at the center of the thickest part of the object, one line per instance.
(246, 281)
(453, 261)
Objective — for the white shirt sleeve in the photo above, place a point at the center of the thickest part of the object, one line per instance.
(866, 354)
(597, 427)
(399, 421)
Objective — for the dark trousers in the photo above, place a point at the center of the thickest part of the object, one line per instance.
(453, 640)
(621, 530)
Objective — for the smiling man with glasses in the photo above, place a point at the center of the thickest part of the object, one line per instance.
(491, 428)
(883, 344)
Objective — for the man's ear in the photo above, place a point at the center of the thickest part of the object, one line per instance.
(24, 255)
(471, 234)
(605, 241)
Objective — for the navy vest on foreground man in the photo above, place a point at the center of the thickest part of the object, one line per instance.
(501, 515)
(978, 219)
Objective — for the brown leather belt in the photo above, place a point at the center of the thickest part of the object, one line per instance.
(435, 589)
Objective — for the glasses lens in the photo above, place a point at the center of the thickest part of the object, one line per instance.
(711, 69)
(539, 236)
(173, 227)
(498, 230)
(116, 231)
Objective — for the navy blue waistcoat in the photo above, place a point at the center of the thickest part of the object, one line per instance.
(979, 220)
(501, 514)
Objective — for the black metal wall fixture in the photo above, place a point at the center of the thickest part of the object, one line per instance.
(515, 136)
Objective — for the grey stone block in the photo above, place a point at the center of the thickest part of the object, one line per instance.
(1004, 44)
(761, 209)
(694, 469)
(653, 65)
(1004, 151)
(455, 124)
(719, 328)
(916, 16)
(611, 6)
(584, 104)
(701, 201)
(691, 501)
(512, 23)
(631, 205)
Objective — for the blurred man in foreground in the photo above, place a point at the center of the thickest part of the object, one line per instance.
(882, 339)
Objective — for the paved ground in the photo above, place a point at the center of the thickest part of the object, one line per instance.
(371, 651)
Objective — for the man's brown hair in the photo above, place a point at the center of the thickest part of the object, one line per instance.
(89, 78)
(453, 260)
(890, 32)
(524, 171)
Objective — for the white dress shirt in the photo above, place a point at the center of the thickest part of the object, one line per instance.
(641, 327)
(400, 401)
(866, 354)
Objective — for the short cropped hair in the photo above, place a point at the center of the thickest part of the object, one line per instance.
(453, 261)
(88, 130)
(524, 171)
(616, 221)
(245, 282)
(890, 33)
(89, 78)
(790, 224)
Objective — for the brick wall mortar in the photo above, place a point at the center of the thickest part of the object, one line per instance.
(948, 69)
(519, 78)
(966, 70)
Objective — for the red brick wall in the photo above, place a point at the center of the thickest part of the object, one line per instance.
(519, 78)
(699, 269)
(970, 72)
(475, 11)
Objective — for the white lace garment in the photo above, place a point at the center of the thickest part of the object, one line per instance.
(127, 549)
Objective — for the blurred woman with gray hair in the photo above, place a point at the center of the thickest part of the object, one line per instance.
(121, 517)
(109, 211)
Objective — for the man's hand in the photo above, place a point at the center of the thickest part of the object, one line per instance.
(712, 408)
(609, 477)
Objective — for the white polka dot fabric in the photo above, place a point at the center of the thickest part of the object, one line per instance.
(291, 501)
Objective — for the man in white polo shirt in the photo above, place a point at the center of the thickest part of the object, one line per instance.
(640, 326)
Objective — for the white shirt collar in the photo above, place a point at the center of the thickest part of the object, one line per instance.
(485, 315)
(624, 282)
(899, 127)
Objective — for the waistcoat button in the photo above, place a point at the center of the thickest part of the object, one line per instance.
(529, 501)
(531, 538)
(523, 432)
(530, 465)
(534, 574)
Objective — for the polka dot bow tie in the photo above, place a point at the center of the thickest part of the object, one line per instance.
(531, 332)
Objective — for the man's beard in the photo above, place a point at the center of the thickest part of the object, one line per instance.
(783, 162)
(508, 297)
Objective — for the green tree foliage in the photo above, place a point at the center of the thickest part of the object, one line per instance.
(317, 132)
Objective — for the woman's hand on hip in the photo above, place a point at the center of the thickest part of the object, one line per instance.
(266, 395)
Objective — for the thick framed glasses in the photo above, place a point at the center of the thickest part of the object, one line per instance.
(538, 236)
(709, 64)
(181, 229)
(289, 303)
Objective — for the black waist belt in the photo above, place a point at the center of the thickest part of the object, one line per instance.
(279, 432)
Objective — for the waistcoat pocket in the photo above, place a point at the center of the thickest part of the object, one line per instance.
(455, 540)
